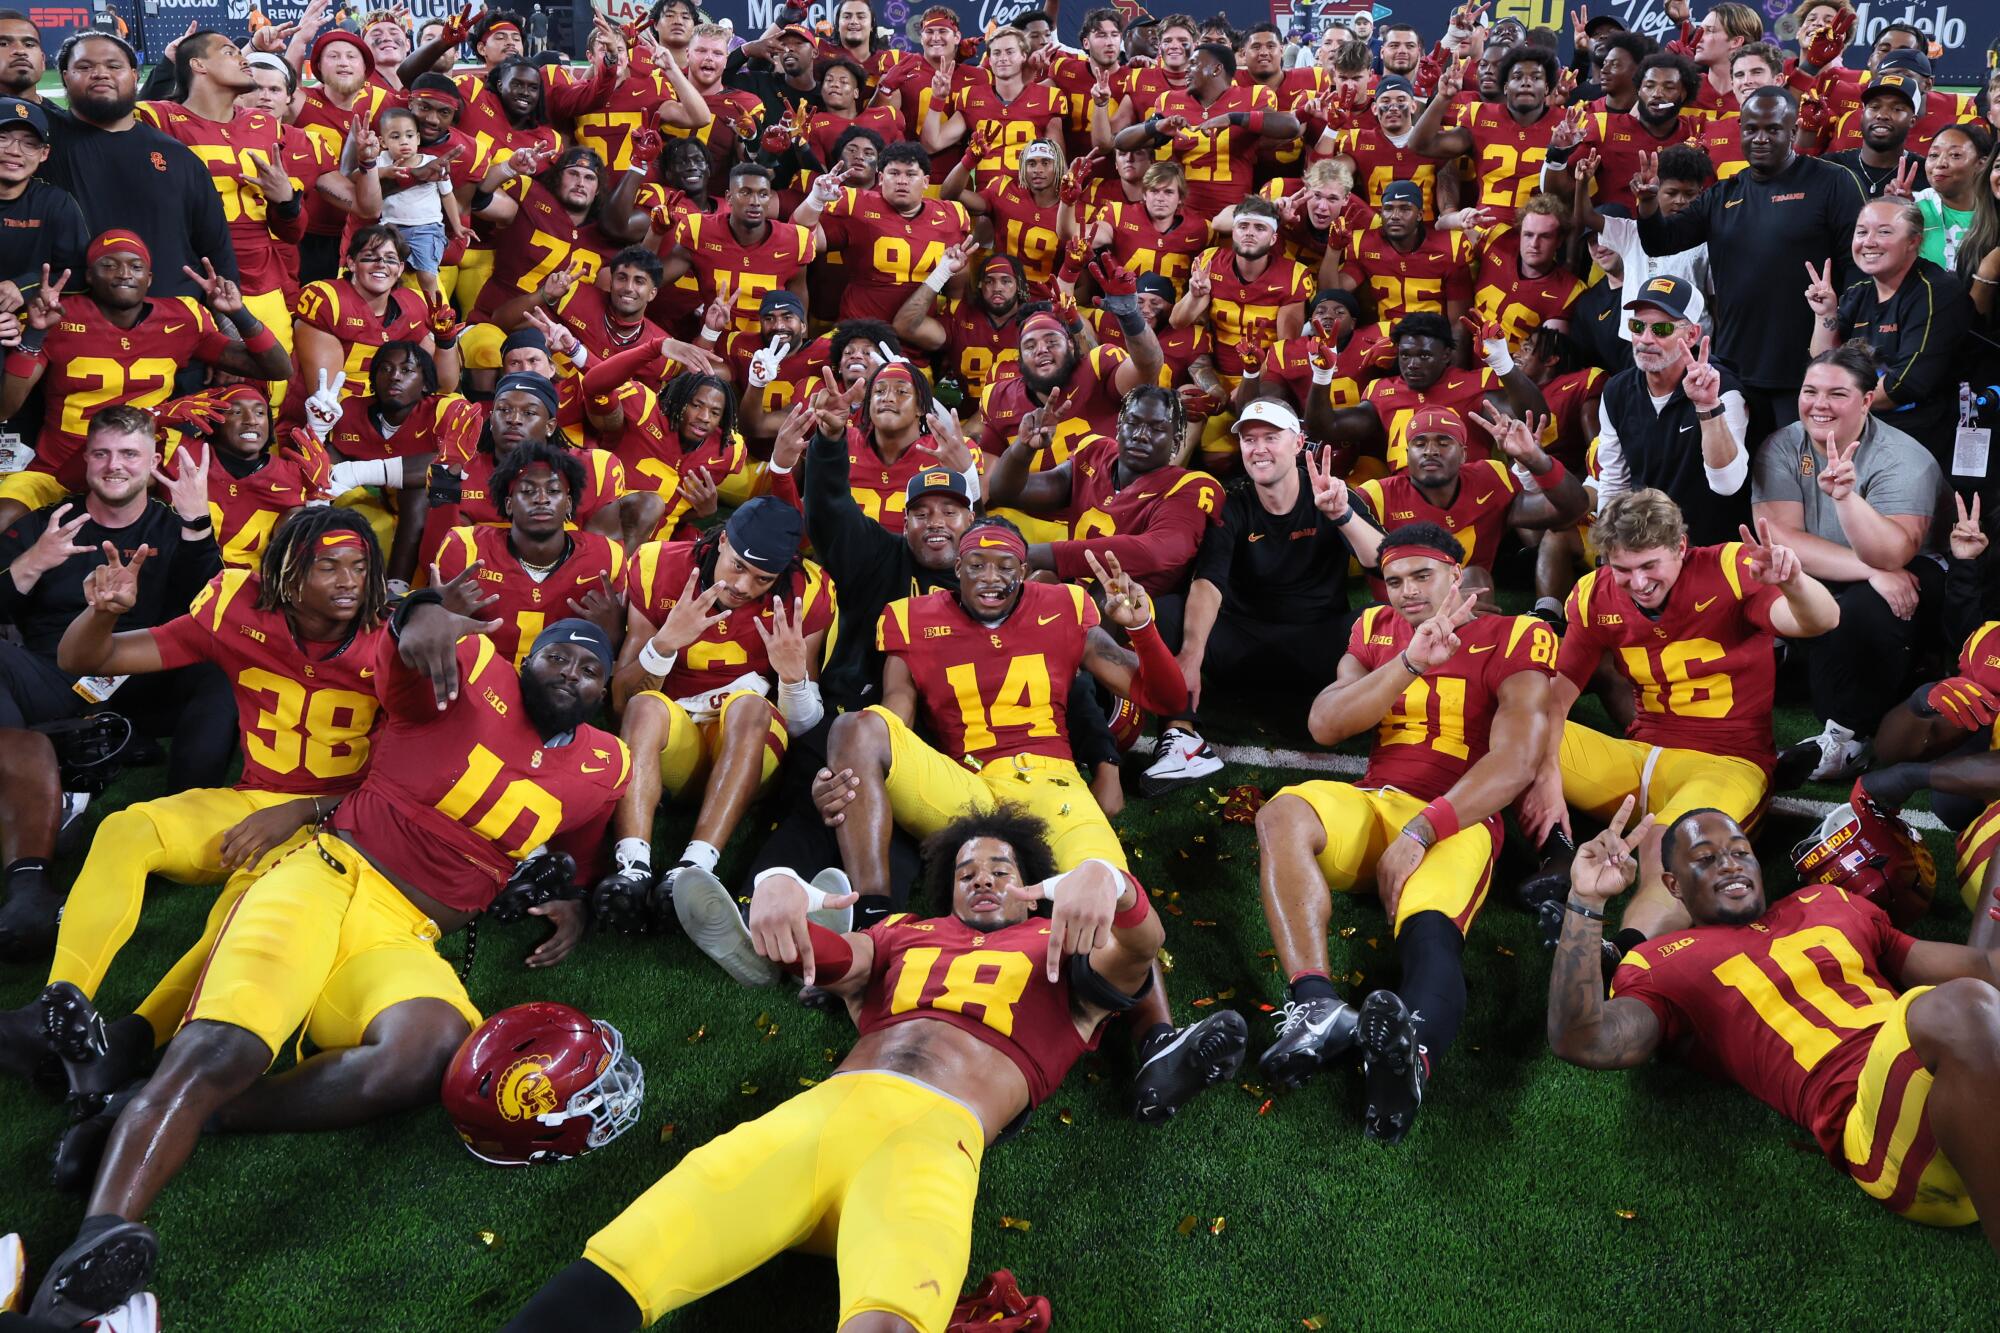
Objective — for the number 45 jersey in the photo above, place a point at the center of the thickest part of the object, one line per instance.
(1702, 669)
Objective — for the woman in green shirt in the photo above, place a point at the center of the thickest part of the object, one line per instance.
(1956, 169)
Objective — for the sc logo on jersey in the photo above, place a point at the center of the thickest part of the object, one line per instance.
(525, 1091)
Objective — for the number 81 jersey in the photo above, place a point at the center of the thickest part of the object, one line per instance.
(305, 718)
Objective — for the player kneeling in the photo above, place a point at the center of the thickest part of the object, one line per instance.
(967, 1021)
(1457, 700)
(1885, 1047)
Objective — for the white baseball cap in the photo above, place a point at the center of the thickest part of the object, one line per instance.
(1268, 410)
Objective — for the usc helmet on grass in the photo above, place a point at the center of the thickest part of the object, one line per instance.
(540, 1083)
(1868, 852)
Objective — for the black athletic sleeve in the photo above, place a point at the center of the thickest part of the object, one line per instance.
(1684, 230)
(846, 539)
(1218, 546)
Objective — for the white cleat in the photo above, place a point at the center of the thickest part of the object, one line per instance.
(13, 1272)
(709, 915)
(141, 1314)
(1181, 757)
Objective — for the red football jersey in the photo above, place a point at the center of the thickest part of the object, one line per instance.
(1147, 84)
(1301, 239)
(722, 263)
(93, 364)
(1477, 516)
(604, 482)
(1463, 391)
(1154, 524)
(1289, 363)
(584, 312)
(1178, 347)
(1438, 270)
(1567, 434)
(1785, 1007)
(1073, 76)
(976, 349)
(882, 489)
(823, 129)
(885, 254)
(1238, 305)
(1939, 111)
(1093, 405)
(329, 124)
(460, 793)
(541, 239)
(647, 446)
(228, 150)
(1010, 125)
(1143, 247)
(1619, 138)
(912, 80)
(1702, 671)
(732, 647)
(1220, 167)
(247, 509)
(305, 709)
(307, 158)
(526, 604)
(1024, 229)
(436, 425)
(607, 129)
(1518, 303)
(994, 985)
(992, 691)
(1377, 162)
(1507, 157)
(797, 372)
(1722, 140)
(1442, 725)
(334, 307)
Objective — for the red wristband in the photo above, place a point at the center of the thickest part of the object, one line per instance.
(263, 340)
(1441, 817)
(832, 954)
(1254, 122)
(1553, 477)
(1137, 912)
(22, 364)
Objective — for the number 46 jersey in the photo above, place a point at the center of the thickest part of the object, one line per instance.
(1702, 670)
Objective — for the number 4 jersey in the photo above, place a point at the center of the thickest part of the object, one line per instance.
(1702, 670)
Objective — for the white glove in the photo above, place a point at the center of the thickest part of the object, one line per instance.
(345, 476)
(323, 407)
(764, 362)
(1498, 359)
(827, 188)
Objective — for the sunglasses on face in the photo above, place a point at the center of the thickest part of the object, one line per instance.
(1660, 328)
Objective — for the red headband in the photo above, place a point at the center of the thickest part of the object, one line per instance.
(895, 370)
(1437, 421)
(940, 18)
(341, 538)
(112, 240)
(993, 538)
(498, 27)
(1388, 553)
(1040, 320)
(232, 393)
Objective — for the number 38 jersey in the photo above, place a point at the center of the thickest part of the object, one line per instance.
(1702, 671)
(1786, 1006)
(992, 691)
(305, 709)
(886, 254)
(1442, 725)
(726, 650)
(994, 986)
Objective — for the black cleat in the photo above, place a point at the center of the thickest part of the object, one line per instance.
(74, 1161)
(110, 1261)
(660, 899)
(618, 902)
(29, 917)
(1392, 1066)
(1180, 1064)
(1311, 1034)
(1795, 765)
(1549, 882)
(71, 1025)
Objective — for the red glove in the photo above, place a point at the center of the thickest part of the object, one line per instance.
(443, 321)
(1074, 255)
(1256, 346)
(1197, 403)
(198, 409)
(1324, 354)
(1482, 332)
(1113, 278)
(1338, 234)
(458, 427)
(1832, 40)
(1429, 70)
(461, 24)
(1071, 190)
(777, 138)
(1964, 701)
(1813, 116)
(668, 212)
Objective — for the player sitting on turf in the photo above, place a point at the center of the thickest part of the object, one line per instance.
(967, 1021)
(1690, 629)
(1885, 1047)
(298, 642)
(743, 609)
(1457, 701)
(473, 768)
(989, 665)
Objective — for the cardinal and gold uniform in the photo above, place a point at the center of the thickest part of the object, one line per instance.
(1477, 515)
(1722, 139)
(996, 697)
(1143, 246)
(1620, 139)
(542, 238)
(885, 254)
(823, 128)
(1220, 166)
(1154, 524)
(977, 349)
(246, 510)
(1289, 363)
(1797, 1008)
(1398, 283)
(319, 117)
(881, 488)
(1024, 229)
(1702, 672)
(747, 272)
(878, 1167)
(1517, 303)
(305, 711)
(1073, 77)
(1979, 661)
(1507, 156)
(910, 81)
(1239, 307)
(336, 309)
(1094, 400)
(1435, 733)
(525, 605)
(607, 128)
(1179, 348)
(1463, 391)
(1010, 125)
(584, 311)
(1377, 162)
(603, 483)
(707, 680)
(455, 797)
(797, 372)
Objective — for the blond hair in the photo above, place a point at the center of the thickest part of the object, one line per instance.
(1329, 171)
(1645, 520)
(1164, 173)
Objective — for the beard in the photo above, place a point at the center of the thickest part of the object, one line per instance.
(1041, 385)
(551, 716)
(104, 110)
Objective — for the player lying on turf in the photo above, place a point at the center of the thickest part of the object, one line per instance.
(1690, 629)
(474, 767)
(1457, 701)
(1885, 1047)
(967, 1021)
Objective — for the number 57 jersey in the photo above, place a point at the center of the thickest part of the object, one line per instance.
(1702, 670)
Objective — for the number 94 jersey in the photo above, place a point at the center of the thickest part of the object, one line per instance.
(1442, 724)
(726, 650)
(305, 710)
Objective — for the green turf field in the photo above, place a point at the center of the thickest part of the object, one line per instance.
(1529, 1194)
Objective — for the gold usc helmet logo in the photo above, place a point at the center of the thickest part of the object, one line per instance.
(525, 1091)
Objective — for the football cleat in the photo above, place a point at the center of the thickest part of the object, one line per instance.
(1181, 757)
(1392, 1066)
(833, 882)
(110, 1262)
(1180, 1064)
(618, 901)
(711, 919)
(29, 917)
(536, 880)
(1842, 754)
(1311, 1034)
(660, 898)
(13, 1272)
(1549, 881)
(542, 1082)
(74, 1160)
(141, 1314)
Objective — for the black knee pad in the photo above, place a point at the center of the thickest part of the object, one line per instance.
(581, 1297)
(88, 749)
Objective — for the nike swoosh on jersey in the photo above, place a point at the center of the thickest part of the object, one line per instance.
(1483, 648)
(1805, 898)
(173, 328)
(1482, 499)
(1703, 606)
(586, 768)
(1732, 203)
(1256, 536)
(1043, 620)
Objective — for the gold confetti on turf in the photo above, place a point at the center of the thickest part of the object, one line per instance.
(805, 1082)
(1503, 951)
(1229, 994)
(1016, 1223)
(1215, 1227)
(699, 1034)
(763, 1021)
(830, 1055)
(1200, 922)
(1626, 1213)
(1187, 1225)
(748, 1089)
(1254, 1089)
(770, 1032)
(1347, 932)
(1374, 943)
(1166, 961)
(1314, 1321)
(491, 1240)
(1205, 1000)
(666, 1133)
(1064, 1116)
(1265, 1109)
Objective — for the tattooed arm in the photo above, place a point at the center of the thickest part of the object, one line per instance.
(1585, 1028)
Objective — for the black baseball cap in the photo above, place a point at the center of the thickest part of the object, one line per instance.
(1600, 23)
(937, 481)
(19, 111)
(765, 534)
(1403, 192)
(1909, 58)
(1901, 82)
(1665, 292)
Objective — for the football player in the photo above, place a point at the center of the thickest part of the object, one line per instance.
(893, 235)
(1214, 128)
(967, 1020)
(1457, 702)
(253, 484)
(1405, 265)
(1008, 111)
(1885, 1048)
(344, 323)
(1690, 629)
(1507, 140)
(475, 766)
(980, 334)
(740, 250)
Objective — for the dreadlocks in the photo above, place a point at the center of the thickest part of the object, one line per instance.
(679, 391)
(1176, 414)
(289, 558)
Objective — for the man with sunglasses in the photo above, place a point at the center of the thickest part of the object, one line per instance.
(1676, 420)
